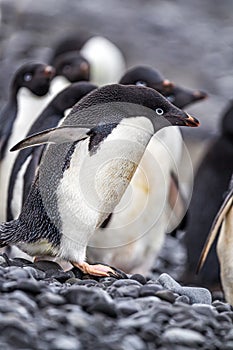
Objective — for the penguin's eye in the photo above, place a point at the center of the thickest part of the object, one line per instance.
(66, 68)
(141, 83)
(27, 77)
(171, 98)
(159, 111)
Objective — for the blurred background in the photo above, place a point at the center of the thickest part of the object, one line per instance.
(191, 42)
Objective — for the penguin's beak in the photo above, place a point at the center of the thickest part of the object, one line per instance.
(182, 119)
(167, 84)
(49, 72)
(199, 95)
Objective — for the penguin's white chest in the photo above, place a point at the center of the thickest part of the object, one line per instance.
(94, 183)
(29, 107)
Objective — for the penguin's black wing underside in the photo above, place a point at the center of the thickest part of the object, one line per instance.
(225, 207)
(55, 135)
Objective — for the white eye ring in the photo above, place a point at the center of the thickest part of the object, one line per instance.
(159, 111)
(27, 77)
(141, 83)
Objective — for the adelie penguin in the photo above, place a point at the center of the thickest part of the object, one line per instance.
(83, 176)
(210, 184)
(70, 67)
(27, 161)
(153, 205)
(223, 225)
(28, 95)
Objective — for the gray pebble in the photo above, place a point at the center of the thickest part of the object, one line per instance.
(133, 342)
(183, 337)
(196, 295)
(62, 342)
(48, 298)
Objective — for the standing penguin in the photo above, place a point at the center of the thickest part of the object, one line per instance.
(28, 96)
(152, 205)
(211, 181)
(223, 224)
(27, 161)
(82, 178)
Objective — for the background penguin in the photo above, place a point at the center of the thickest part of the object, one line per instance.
(106, 60)
(223, 222)
(27, 97)
(70, 67)
(153, 196)
(89, 172)
(211, 181)
(27, 161)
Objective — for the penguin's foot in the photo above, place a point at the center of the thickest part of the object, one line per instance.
(97, 270)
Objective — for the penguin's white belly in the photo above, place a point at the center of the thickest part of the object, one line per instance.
(94, 184)
(106, 60)
(29, 107)
(58, 84)
(137, 229)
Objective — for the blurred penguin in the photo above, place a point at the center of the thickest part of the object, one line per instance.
(223, 224)
(211, 182)
(133, 235)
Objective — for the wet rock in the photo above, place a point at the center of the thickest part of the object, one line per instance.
(139, 278)
(149, 290)
(166, 295)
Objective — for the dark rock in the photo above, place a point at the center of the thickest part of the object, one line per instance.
(149, 290)
(166, 295)
(59, 275)
(45, 265)
(125, 282)
(139, 278)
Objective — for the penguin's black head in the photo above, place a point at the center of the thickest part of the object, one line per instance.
(182, 97)
(148, 77)
(131, 100)
(71, 95)
(34, 76)
(72, 66)
(227, 121)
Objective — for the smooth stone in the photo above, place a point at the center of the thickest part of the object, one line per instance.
(196, 295)
(16, 273)
(133, 342)
(207, 310)
(129, 291)
(107, 308)
(126, 282)
(88, 282)
(166, 295)
(35, 273)
(85, 296)
(183, 337)
(149, 290)
(63, 342)
(139, 278)
(183, 299)
(23, 299)
(73, 280)
(48, 298)
(45, 265)
(60, 276)
(30, 285)
(128, 307)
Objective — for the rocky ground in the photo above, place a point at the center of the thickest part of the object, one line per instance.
(42, 307)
